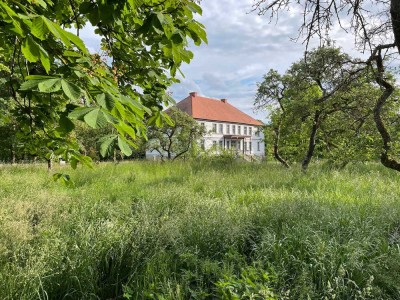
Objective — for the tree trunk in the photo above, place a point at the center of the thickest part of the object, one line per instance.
(311, 143)
(278, 157)
(13, 156)
(49, 165)
(395, 14)
(380, 125)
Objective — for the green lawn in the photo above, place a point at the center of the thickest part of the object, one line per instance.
(144, 230)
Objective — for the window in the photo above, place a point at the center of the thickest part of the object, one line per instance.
(239, 129)
(220, 144)
(228, 128)
(250, 130)
(203, 124)
(221, 128)
(250, 146)
(202, 144)
(227, 144)
(214, 144)
(245, 130)
(258, 146)
(214, 127)
(245, 146)
(233, 129)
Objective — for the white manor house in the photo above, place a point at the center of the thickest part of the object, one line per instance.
(226, 126)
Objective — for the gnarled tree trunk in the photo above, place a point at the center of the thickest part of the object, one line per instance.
(311, 143)
(386, 160)
(278, 157)
(395, 15)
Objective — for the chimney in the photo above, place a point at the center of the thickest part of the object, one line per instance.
(224, 100)
(193, 94)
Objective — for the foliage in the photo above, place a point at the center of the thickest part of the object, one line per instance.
(52, 79)
(252, 284)
(376, 30)
(322, 106)
(175, 139)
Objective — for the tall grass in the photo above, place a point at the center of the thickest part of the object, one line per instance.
(204, 230)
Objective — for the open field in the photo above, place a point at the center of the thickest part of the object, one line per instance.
(144, 230)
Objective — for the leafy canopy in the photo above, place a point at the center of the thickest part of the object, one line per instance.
(174, 140)
(52, 79)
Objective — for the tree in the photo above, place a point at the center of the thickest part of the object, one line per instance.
(373, 23)
(175, 139)
(52, 79)
(310, 91)
(322, 104)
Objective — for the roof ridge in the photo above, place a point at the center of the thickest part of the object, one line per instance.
(206, 108)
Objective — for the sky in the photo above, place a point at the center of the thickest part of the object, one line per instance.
(242, 47)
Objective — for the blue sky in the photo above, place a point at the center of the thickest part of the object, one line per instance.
(242, 47)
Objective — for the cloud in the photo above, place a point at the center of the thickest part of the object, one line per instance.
(242, 47)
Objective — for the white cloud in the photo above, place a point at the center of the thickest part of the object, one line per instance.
(242, 47)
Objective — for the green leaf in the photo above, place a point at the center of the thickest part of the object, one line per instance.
(119, 110)
(39, 28)
(77, 41)
(125, 129)
(64, 178)
(194, 7)
(91, 117)
(39, 77)
(107, 145)
(57, 31)
(72, 91)
(50, 85)
(66, 125)
(124, 147)
(73, 162)
(39, 2)
(156, 119)
(71, 53)
(80, 112)
(177, 37)
(44, 59)
(29, 85)
(30, 49)
(86, 160)
(106, 101)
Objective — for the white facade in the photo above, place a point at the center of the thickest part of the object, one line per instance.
(240, 138)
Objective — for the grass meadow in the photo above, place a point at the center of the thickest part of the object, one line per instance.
(205, 230)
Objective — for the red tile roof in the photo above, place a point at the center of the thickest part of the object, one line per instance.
(214, 110)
